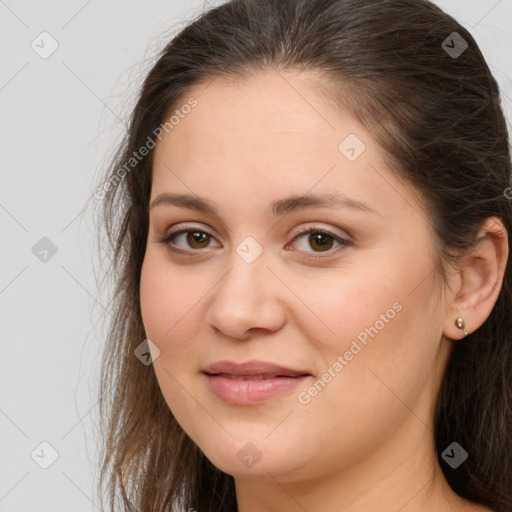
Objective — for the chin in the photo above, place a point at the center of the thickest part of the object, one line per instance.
(257, 459)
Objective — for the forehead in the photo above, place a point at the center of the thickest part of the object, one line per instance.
(256, 108)
(273, 120)
(272, 134)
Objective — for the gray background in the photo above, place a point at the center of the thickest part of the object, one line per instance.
(61, 117)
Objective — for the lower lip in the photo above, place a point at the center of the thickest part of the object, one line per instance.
(253, 391)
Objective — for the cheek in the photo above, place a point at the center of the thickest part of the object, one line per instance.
(353, 306)
(168, 317)
(167, 299)
(385, 301)
(374, 341)
(172, 307)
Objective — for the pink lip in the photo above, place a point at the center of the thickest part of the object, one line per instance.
(252, 382)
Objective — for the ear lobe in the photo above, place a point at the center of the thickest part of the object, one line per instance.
(480, 280)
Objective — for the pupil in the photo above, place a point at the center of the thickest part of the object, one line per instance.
(322, 238)
(197, 238)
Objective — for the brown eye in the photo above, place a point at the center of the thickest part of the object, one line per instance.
(322, 241)
(319, 240)
(188, 240)
(197, 239)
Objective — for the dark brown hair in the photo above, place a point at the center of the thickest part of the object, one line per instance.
(439, 119)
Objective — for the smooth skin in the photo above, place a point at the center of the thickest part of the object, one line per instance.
(365, 441)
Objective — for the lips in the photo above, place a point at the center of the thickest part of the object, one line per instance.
(258, 369)
(251, 382)
(247, 377)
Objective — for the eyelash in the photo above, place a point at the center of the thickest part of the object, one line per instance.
(166, 240)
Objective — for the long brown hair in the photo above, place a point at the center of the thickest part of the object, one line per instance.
(437, 114)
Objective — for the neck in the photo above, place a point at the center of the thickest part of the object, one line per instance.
(401, 475)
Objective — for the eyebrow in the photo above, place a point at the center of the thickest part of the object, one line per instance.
(277, 209)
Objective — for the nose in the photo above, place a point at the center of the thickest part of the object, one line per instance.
(249, 298)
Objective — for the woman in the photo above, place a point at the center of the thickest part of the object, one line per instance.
(310, 229)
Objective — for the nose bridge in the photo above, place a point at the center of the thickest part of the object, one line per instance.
(248, 264)
(245, 297)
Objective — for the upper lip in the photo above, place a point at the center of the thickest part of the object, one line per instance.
(252, 368)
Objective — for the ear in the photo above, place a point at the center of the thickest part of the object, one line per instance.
(479, 280)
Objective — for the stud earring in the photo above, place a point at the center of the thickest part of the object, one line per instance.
(459, 323)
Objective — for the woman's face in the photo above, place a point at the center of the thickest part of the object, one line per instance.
(350, 313)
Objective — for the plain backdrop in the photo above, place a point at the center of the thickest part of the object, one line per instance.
(62, 114)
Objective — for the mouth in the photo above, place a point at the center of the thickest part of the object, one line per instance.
(249, 377)
(252, 382)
